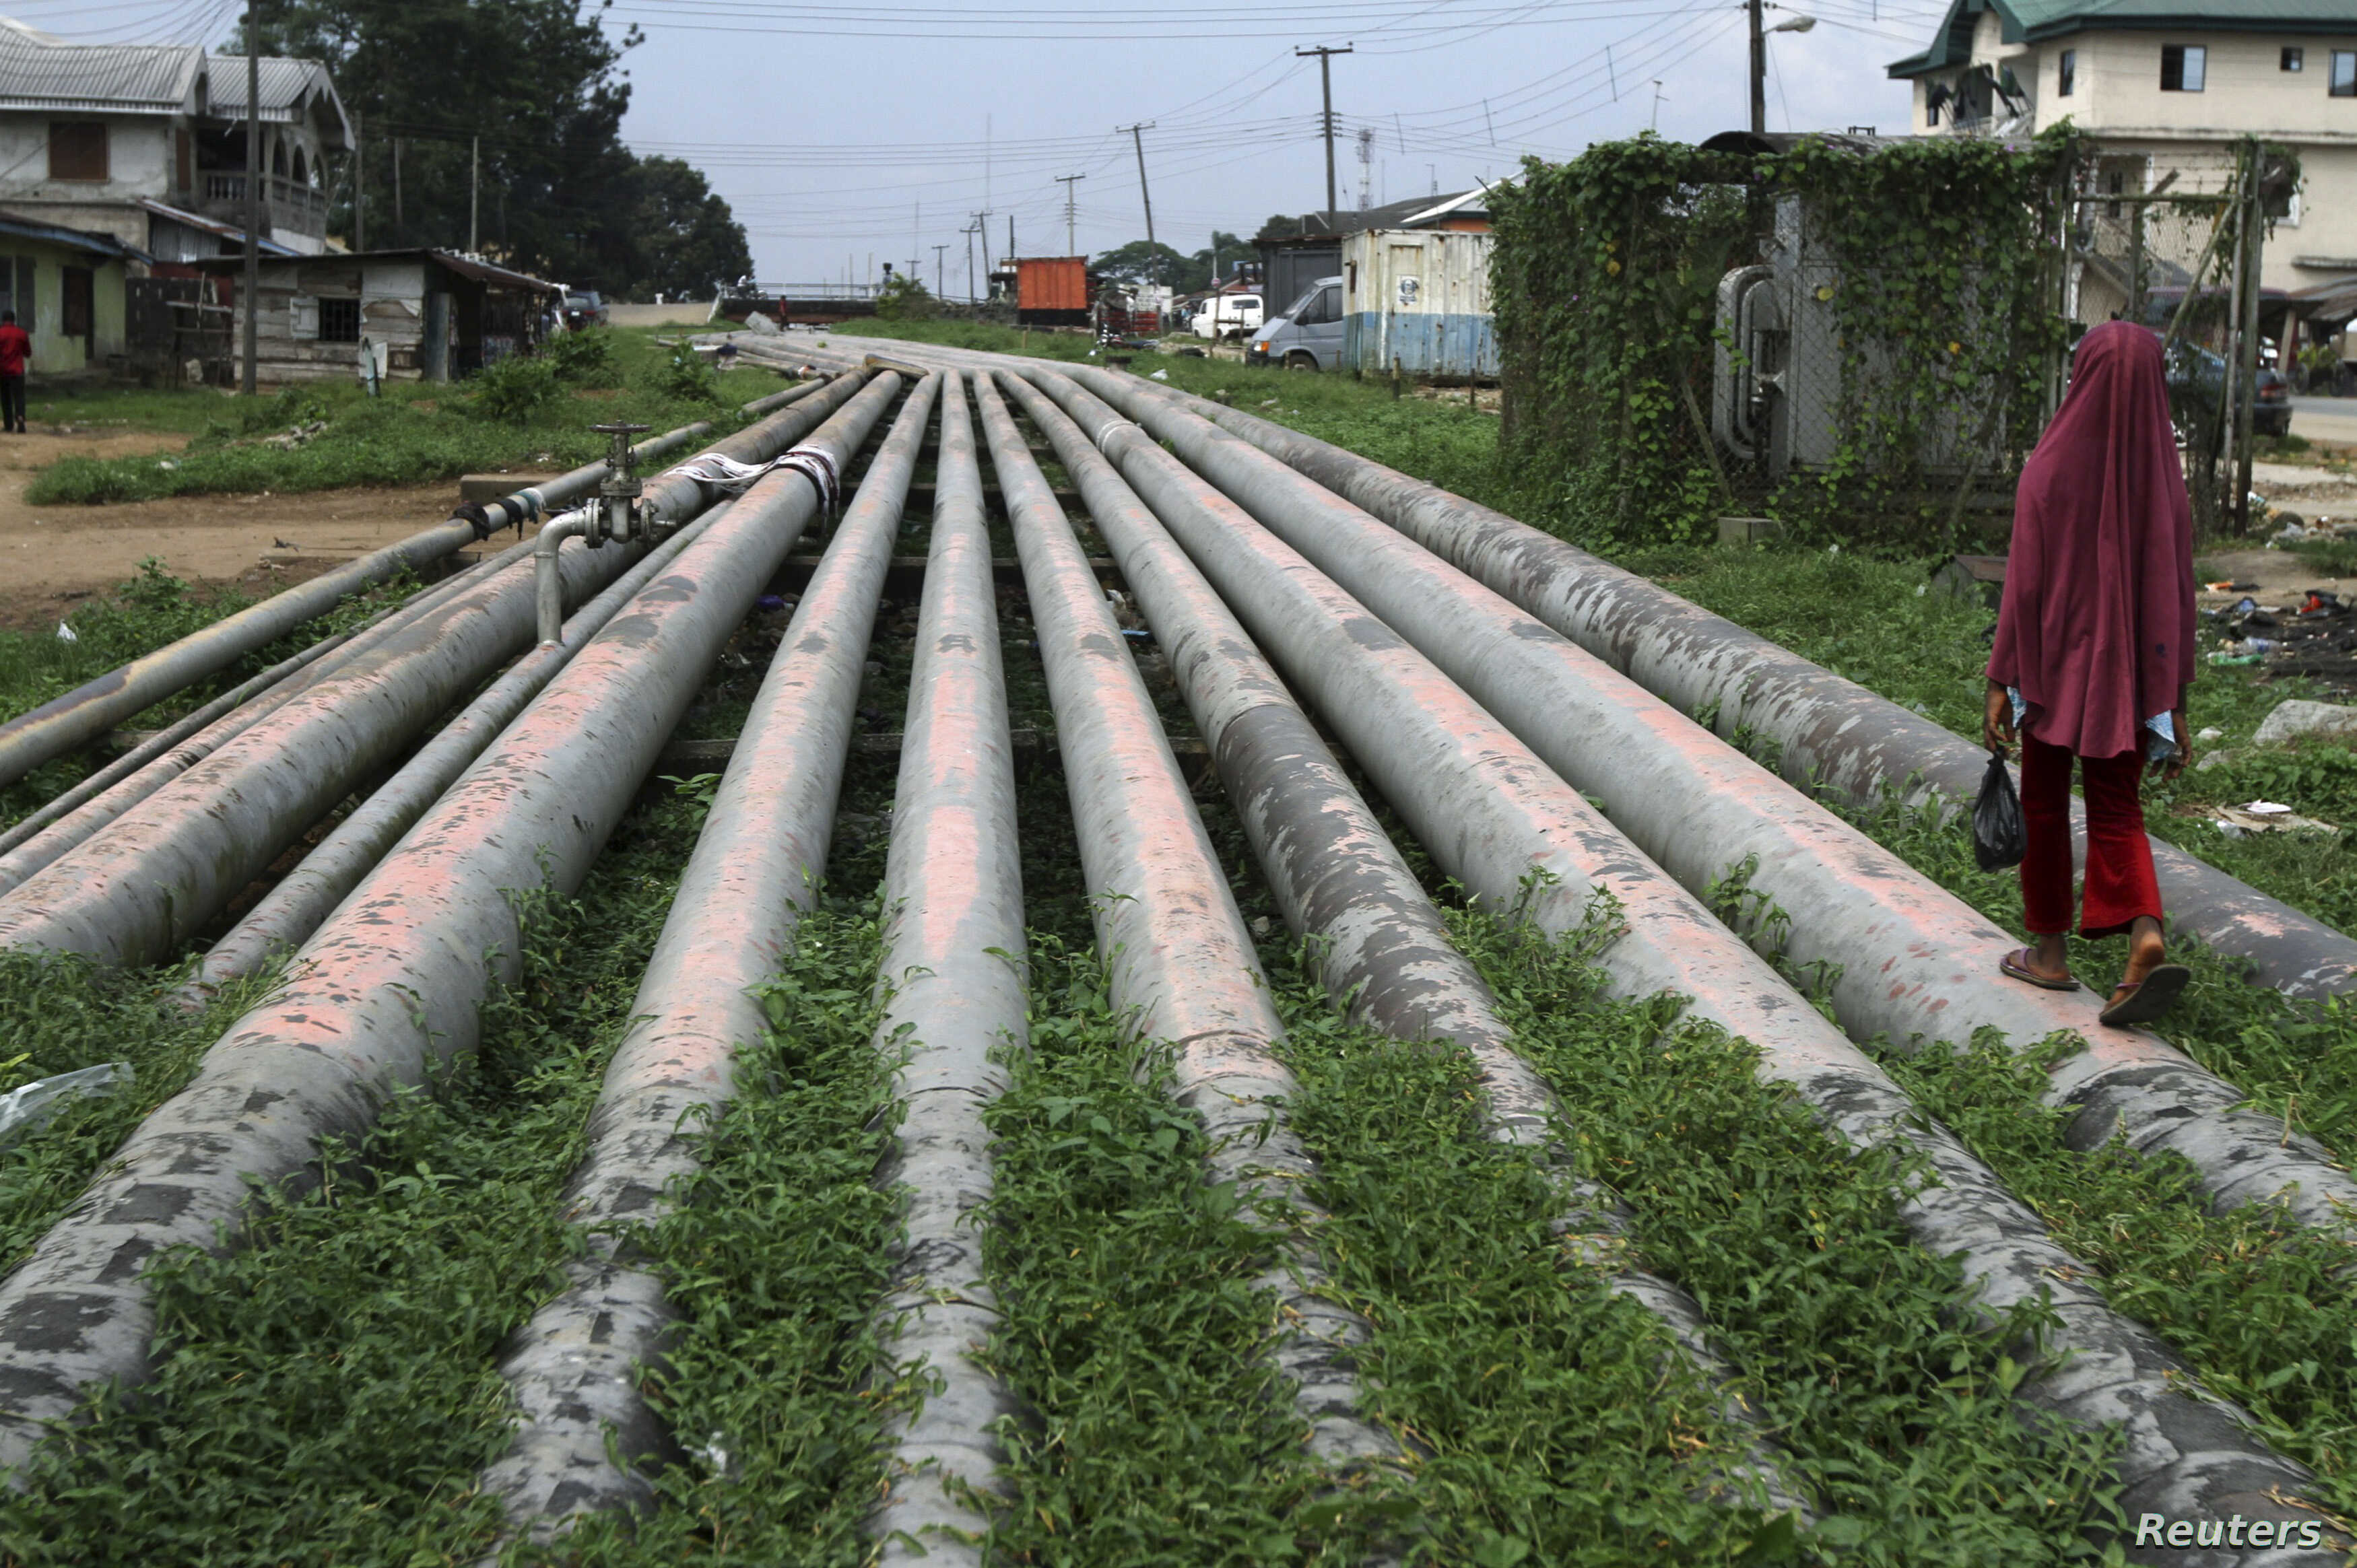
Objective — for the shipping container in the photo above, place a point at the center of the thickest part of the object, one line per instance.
(1418, 299)
(1053, 291)
(1289, 266)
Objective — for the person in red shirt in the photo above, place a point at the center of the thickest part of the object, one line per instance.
(16, 347)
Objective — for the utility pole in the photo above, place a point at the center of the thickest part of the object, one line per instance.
(1011, 236)
(1754, 9)
(940, 284)
(968, 232)
(359, 188)
(397, 187)
(474, 191)
(1066, 181)
(252, 194)
(981, 232)
(1137, 138)
(1325, 85)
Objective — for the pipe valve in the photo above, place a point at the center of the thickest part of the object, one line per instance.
(617, 515)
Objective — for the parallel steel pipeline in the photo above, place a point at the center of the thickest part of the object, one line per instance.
(954, 942)
(88, 712)
(1179, 957)
(1335, 873)
(1834, 735)
(1490, 813)
(576, 1369)
(1915, 962)
(395, 980)
(138, 890)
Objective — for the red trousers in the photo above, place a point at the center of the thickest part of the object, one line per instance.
(2120, 882)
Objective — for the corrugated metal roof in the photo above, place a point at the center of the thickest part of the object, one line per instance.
(2029, 21)
(76, 239)
(213, 226)
(39, 74)
(466, 267)
(284, 83)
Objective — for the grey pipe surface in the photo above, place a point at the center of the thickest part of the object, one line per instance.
(394, 982)
(954, 970)
(85, 811)
(778, 400)
(576, 1368)
(547, 587)
(294, 907)
(1834, 735)
(1489, 812)
(1337, 875)
(1915, 963)
(1178, 956)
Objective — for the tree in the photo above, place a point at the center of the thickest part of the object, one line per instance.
(539, 86)
(1139, 261)
(903, 298)
(1279, 227)
(686, 240)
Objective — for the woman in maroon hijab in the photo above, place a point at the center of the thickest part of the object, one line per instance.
(2094, 651)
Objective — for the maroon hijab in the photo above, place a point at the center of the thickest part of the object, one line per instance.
(2096, 630)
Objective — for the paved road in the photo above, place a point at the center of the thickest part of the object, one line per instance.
(2332, 418)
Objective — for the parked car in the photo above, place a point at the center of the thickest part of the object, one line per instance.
(1227, 315)
(584, 309)
(2196, 377)
(1308, 336)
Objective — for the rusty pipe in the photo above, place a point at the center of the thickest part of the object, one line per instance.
(1833, 735)
(1179, 960)
(1384, 951)
(395, 981)
(1491, 814)
(575, 1370)
(1914, 963)
(953, 971)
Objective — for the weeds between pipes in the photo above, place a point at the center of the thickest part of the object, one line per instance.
(1895, 1414)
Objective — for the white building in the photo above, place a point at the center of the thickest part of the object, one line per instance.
(2165, 87)
(146, 143)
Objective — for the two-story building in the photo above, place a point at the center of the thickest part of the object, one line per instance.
(2163, 89)
(146, 143)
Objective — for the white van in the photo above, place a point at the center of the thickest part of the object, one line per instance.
(1227, 316)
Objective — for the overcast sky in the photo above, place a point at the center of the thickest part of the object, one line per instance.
(846, 135)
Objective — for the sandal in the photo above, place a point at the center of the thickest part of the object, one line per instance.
(2141, 1002)
(2016, 964)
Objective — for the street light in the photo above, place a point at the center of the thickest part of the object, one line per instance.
(1759, 57)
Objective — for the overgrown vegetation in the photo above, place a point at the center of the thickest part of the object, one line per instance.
(518, 414)
(1606, 274)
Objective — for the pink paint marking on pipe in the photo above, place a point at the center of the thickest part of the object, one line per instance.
(1178, 956)
(396, 979)
(952, 964)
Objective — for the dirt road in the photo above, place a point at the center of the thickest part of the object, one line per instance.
(52, 557)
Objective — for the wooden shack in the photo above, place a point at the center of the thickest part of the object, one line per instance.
(427, 314)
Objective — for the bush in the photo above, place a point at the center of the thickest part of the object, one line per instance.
(903, 298)
(687, 378)
(514, 388)
(585, 359)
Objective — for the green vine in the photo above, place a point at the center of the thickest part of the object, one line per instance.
(1940, 273)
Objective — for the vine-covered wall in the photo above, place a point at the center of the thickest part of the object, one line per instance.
(1945, 255)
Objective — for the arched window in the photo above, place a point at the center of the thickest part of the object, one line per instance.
(302, 173)
(278, 159)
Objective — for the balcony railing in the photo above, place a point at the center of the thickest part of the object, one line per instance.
(285, 204)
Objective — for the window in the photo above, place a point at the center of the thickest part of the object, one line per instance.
(1931, 113)
(78, 150)
(2182, 67)
(2066, 74)
(339, 321)
(2294, 57)
(2344, 73)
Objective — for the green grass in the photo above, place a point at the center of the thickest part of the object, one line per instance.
(326, 1393)
(145, 613)
(2259, 1307)
(413, 433)
(1895, 1416)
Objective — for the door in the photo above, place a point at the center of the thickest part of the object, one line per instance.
(1321, 327)
(74, 310)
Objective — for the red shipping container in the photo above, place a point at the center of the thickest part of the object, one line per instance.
(1058, 283)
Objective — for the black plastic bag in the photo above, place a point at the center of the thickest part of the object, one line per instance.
(1998, 838)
